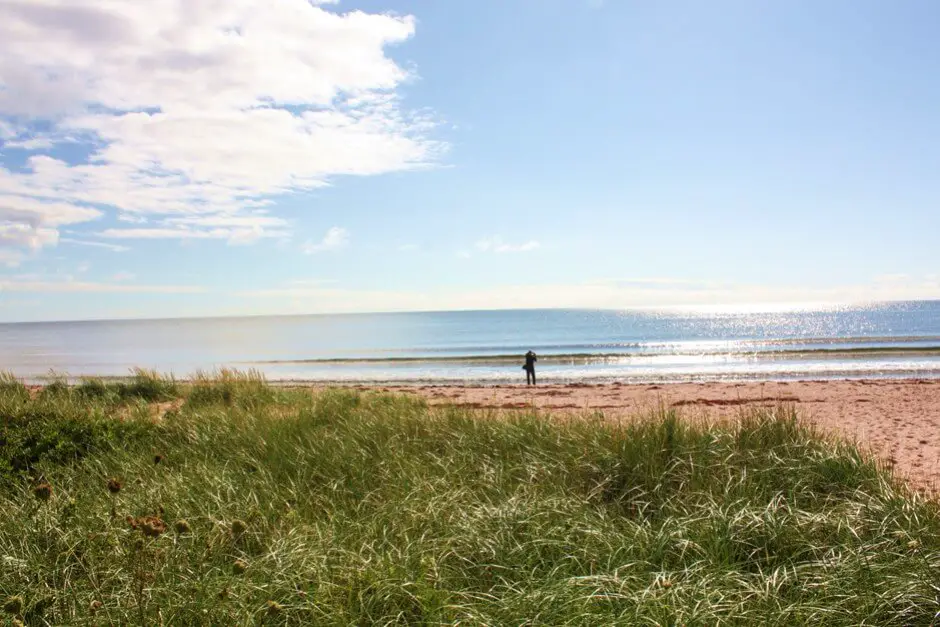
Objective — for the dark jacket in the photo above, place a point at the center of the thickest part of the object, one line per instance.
(530, 360)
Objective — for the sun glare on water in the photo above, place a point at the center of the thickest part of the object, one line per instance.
(755, 308)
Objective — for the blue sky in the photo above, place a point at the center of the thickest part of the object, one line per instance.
(254, 157)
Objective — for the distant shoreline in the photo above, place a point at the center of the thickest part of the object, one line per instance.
(593, 358)
(902, 377)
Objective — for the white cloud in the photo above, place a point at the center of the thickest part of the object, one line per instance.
(495, 244)
(123, 276)
(230, 221)
(91, 287)
(335, 239)
(19, 235)
(32, 143)
(78, 242)
(29, 224)
(201, 108)
(892, 278)
(657, 282)
(160, 233)
(235, 229)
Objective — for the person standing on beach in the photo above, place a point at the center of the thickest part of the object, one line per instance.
(529, 368)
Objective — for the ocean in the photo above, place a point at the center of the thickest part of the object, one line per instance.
(880, 340)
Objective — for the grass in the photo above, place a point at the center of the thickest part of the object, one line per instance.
(246, 505)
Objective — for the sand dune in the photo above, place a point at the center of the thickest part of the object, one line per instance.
(899, 420)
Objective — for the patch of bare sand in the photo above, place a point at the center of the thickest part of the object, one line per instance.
(898, 420)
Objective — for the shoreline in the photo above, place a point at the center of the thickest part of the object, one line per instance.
(612, 357)
(901, 376)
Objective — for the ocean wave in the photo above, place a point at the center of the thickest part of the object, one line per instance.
(627, 347)
(585, 358)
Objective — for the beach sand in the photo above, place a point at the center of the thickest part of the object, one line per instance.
(897, 420)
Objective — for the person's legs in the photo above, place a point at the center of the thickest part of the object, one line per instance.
(529, 377)
(533, 376)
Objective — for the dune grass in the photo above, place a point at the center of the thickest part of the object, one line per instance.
(229, 502)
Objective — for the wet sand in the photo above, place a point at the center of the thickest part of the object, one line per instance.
(898, 420)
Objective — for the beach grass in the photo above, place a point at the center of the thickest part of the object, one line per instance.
(225, 501)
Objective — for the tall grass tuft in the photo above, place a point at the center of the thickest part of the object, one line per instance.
(294, 507)
(143, 385)
(149, 385)
(12, 390)
(229, 387)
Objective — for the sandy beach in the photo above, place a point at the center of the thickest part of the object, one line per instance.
(898, 420)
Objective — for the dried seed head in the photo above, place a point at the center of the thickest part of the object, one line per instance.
(151, 526)
(239, 567)
(43, 491)
(13, 605)
(181, 527)
(95, 606)
(114, 486)
(274, 607)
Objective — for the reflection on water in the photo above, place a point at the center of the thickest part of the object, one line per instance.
(901, 339)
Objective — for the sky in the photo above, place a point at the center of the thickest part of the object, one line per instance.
(243, 157)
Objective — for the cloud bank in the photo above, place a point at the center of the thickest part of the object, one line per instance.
(71, 286)
(625, 293)
(188, 116)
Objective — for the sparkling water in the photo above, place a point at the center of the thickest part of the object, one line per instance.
(879, 340)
